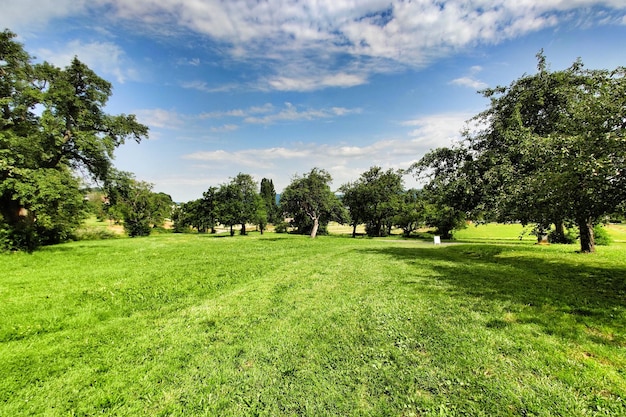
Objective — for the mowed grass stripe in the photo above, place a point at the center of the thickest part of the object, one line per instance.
(282, 325)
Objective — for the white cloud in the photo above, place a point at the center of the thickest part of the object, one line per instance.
(205, 88)
(291, 113)
(103, 57)
(160, 118)
(345, 162)
(439, 129)
(224, 128)
(26, 14)
(309, 45)
(313, 82)
(469, 82)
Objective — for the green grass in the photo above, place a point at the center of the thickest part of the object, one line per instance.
(284, 325)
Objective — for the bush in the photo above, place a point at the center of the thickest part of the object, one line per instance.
(94, 234)
(568, 238)
(282, 227)
(601, 236)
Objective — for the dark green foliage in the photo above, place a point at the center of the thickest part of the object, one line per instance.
(374, 199)
(550, 150)
(601, 236)
(238, 202)
(411, 213)
(52, 123)
(199, 214)
(311, 204)
(136, 204)
(268, 195)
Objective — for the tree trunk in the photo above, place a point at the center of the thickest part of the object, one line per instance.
(232, 232)
(243, 229)
(587, 240)
(316, 224)
(559, 232)
(354, 230)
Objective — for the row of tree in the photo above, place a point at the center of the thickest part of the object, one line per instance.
(550, 150)
(377, 199)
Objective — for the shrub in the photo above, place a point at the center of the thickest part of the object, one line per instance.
(601, 236)
(282, 227)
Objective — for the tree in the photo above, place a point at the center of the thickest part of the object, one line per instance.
(309, 197)
(52, 126)
(374, 200)
(354, 197)
(200, 214)
(140, 208)
(239, 203)
(268, 195)
(551, 150)
(411, 212)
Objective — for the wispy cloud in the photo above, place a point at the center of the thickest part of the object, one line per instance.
(205, 88)
(104, 57)
(224, 128)
(291, 113)
(344, 161)
(470, 80)
(339, 43)
(270, 114)
(160, 118)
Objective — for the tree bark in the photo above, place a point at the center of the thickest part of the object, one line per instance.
(316, 224)
(559, 232)
(587, 239)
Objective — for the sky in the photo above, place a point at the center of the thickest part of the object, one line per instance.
(275, 88)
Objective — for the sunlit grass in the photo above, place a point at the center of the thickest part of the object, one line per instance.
(286, 325)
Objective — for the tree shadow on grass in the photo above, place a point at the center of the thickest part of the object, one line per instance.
(552, 293)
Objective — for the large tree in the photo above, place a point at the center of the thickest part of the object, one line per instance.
(52, 128)
(135, 203)
(268, 195)
(239, 202)
(200, 214)
(374, 199)
(309, 198)
(551, 149)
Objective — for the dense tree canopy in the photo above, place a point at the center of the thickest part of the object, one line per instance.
(374, 199)
(239, 202)
(551, 149)
(52, 127)
(136, 204)
(268, 194)
(310, 202)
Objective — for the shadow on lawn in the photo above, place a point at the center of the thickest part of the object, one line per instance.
(559, 290)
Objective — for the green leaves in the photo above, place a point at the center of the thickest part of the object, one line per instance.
(41, 150)
(551, 150)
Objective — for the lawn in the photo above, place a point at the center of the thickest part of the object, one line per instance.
(283, 325)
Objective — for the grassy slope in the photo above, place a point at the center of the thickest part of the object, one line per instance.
(282, 325)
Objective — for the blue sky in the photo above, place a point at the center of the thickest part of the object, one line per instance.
(274, 88)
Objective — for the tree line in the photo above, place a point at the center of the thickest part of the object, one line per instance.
(549, 150)
(377, 199)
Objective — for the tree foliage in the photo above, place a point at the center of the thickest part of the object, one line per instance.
(134, 202)
(238, 202)
(268, 194)
(374, 199)
(52, 127)
(550, 150)
(200, 214)
(310, 202)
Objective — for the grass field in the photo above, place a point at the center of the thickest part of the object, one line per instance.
(283, 325)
